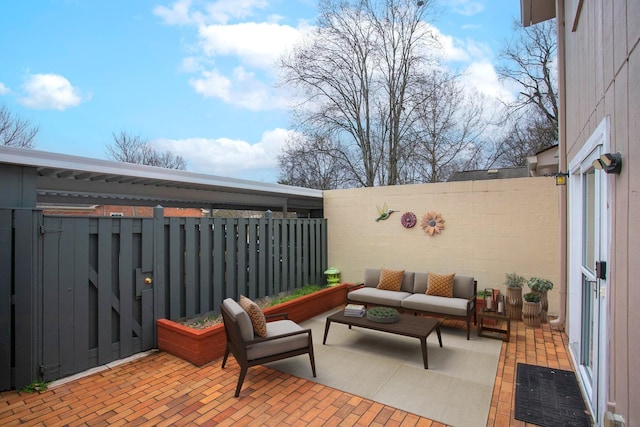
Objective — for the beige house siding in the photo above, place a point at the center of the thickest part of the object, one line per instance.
(492, 228)
(603, 79)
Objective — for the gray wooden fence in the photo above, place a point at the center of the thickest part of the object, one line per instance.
(78, 292)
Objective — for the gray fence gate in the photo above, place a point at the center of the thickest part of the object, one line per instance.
(78, 292)
(96, 307)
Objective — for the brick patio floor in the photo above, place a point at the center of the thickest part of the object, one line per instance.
(162, 390)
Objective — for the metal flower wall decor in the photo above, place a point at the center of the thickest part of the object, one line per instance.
(432, 223)
(408, 219)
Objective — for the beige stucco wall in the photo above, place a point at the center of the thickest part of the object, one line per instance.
(603, 80)
(492, 228)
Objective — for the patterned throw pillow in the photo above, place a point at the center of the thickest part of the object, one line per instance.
(256, 315)
(440, 285)
(390, 280)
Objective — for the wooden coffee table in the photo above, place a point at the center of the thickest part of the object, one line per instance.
(407, 325)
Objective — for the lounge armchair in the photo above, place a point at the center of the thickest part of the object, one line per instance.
(284, 339)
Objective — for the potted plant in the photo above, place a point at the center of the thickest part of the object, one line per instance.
(514, 283)
(480, 296)
(201, 346)
(541, 287)
(531, 309)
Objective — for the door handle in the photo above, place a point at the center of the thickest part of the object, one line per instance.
(594, 286)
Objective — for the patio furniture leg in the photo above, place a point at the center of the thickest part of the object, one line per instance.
(226, 355)
(439, 336)
(423, 343)
(326, 331)
(311, 356)
(243, 373)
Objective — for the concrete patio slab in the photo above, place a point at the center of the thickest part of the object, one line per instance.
(388, 368)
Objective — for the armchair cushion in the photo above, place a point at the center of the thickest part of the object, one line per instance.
(279, 345)
(240, 316)
(256, 315)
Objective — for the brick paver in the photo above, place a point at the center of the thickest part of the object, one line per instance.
(161, 389)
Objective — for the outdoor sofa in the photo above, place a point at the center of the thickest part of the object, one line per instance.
(450, 296)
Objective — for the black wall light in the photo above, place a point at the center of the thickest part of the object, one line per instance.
(609, 162)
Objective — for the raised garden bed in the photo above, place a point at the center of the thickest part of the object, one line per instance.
(201, 346)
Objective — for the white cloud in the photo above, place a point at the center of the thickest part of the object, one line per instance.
(212, 84)
(221, 11)
(241, 89)
(49, 92)
(482, 77)
(466, 7)
(230, 157)
(460, 50)
(452, 49)
(191, 64)
(254, 44)
(178, 13)
(233, 62)
(3, 89)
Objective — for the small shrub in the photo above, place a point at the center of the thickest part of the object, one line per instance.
(482, 293)
(207, 320)
(201, 322)
(305, 290)
(383, 312)
(531, 297)
(36, 386)
(513, 280)
(540, 285)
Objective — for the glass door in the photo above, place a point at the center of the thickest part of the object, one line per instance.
(588, 226)
(590, 311)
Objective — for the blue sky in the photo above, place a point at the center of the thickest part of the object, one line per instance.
(194, 77)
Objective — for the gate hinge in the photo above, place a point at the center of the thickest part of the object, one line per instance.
(44, 368)
(44, 229)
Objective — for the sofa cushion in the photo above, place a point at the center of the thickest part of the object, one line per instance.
(372, 278)
(269, 348)
(463, 287)
(390, 280)
(240, 316)
(420, 283)
(256, 315)
(374, 296)
(440, 284)
(436, 304)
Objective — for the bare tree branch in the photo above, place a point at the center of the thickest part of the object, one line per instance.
(532, 119)
(358, 73)
(15, 131)
(130, 148)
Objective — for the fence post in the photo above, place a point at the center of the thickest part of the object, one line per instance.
(268, 215)
(27, 296)
(6, 294)
(158, 269)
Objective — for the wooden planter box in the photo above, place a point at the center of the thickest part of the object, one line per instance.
(201, 346)
(198, 346)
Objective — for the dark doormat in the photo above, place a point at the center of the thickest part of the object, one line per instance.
(549, 397)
